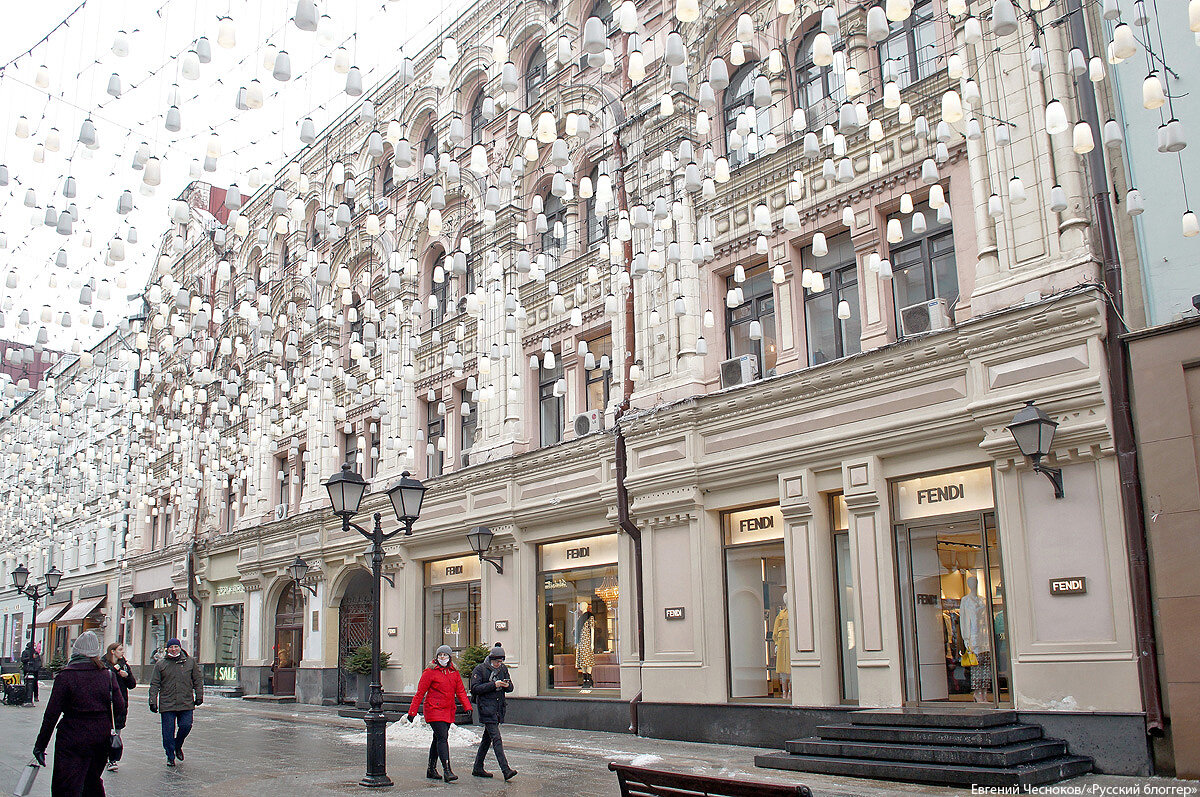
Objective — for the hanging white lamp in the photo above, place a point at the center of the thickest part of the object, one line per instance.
(1153, 95)
(282, 70)
(687, 10)
(1056, 118)
(1004, 18)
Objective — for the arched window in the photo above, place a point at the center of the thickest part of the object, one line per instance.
(910, 52)
(476, 119)
(595, 229)
(815, 83)
(430, 145)
(387, 177)
(439, 282)
(535, 76)
(604, 10)
(739, 98)
(555, 211)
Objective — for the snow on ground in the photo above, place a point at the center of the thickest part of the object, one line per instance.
(418, 734)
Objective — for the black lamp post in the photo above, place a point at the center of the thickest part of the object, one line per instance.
(20, 579)
(480, 539)
(1034, 432)
(346, 489)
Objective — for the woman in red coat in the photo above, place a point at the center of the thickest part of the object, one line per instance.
(440, 684)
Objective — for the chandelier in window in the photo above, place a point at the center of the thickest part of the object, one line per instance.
(607, 591)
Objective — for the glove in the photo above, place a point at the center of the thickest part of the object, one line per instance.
(411, 717)
(40, 757)
(200, 701)
(153, 708)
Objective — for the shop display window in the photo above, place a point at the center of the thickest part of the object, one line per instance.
(759, 628)
(227, 624)
(579, 618)
(452, 617)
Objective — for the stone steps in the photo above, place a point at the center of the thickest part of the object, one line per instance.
(950, 748)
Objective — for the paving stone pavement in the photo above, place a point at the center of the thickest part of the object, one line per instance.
(239, 748)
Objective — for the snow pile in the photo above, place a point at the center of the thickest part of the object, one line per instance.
(645, 760)
(418, 734)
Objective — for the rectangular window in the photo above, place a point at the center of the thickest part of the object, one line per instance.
(831, 315)
(923, 264)
(435, 429)
(283, 476)
(468, 425)
(597, 378)
(372, 454)
(227, 625)
(452, 600)
(230, 506)
(302, 465)
(750, 326)
(550, 405)
(910, 52)
(350, 450)
(579, 595)
(758, 627)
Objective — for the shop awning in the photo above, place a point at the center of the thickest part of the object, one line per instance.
(51, 613)
(81, 610)
(144, 598)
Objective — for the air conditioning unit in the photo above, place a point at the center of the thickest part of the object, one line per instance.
(739, 370)
(381, 205)
(924, 317)
(281, 511)
(588, 422)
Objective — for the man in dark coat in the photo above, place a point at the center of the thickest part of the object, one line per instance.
(86, 696)
(490, 682)
(31, 664)
(176, 687)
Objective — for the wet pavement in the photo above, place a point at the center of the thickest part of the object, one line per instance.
(243, 748)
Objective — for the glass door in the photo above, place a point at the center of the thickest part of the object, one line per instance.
(759, 629)
(847, 639)
(952, 611)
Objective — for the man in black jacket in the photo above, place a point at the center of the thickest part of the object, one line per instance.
(489, 683)
(31, 664)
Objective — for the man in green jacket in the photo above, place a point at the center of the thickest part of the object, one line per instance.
(176, 688)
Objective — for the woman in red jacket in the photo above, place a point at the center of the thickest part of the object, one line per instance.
(440, 684)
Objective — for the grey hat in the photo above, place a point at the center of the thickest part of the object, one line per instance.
(443, 649)
(88, 644)
(497, 652)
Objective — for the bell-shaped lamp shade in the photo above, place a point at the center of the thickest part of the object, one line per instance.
(53, 576)
(406, 496)
(1034, 432)
(480, 539)
(346, 489)
(20, 577)
(298, 569)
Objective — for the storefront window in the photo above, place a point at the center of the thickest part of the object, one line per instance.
(227, 656)
(759, 629)
(160, 626)
(579, 597)
(452, 603)
(843, 572)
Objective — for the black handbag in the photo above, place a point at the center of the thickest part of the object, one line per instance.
(115, 746)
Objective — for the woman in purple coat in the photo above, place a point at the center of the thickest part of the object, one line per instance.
(87, 698)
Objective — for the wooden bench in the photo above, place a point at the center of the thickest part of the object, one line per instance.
(643, 782)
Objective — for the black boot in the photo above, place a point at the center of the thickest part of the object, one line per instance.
(432, 772)
(480, 772)
(449, 776)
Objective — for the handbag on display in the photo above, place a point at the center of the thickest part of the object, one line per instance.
(115, 746)
(25, 782)
(969, 659)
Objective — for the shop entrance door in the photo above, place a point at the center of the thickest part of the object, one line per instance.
(289, 640)
(952, 611)
(354, 626)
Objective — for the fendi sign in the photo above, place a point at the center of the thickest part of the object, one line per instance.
(754, 525)
(452, 571)
(587, 552)
(944, 494)
(1071, 585)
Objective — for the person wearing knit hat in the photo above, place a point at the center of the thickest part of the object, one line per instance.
(440, 684)
(490, 682)
(85, 704)
(176, 688)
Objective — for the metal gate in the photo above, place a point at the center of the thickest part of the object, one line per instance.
(354, 627)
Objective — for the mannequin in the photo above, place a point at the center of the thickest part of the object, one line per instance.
(783, 656)
(585, 643)
(977, 636)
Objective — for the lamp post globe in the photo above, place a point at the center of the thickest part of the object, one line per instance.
(346, 489)
(298, 569)
(1033, 430)
(20, 577)
(406, 495)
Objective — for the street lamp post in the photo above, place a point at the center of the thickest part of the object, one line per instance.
(20, 579)
(1033, 430)
(346, 489)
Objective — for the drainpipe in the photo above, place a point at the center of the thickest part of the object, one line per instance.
(194, 599)
(1117, 360)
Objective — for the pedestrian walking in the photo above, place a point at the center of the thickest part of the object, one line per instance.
(176, 688)
(31, 664)
(490, 682)
(440, 684)
(114, 660)
(86, 697)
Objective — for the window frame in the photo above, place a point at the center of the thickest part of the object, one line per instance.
(833, 86)
(907, 31)
(547, 399)
(732, 107)
(435, 427)
(537, 72)
(925, 243)
(548, 241)
(598, 375)
(475, 118)
(439, 290)
(467, 422)
(595, 228)
(756, 302)
(836, 288)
